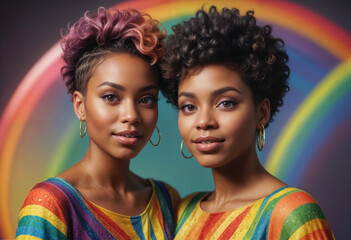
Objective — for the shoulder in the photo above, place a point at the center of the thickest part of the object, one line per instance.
(165, 190)
(189, 202)
(47, 194)
(295, 212)
(42, 209)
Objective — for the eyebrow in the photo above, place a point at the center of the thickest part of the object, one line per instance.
(114, 85)
(216, 92)
(225, 89)
(120, 87)
(186, 94)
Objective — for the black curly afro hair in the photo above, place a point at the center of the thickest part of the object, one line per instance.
(232, 39)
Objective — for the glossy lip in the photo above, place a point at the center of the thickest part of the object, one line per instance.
(127, 137)
(208, 144)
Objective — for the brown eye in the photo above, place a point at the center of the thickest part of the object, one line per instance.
(148, 100)
(188, 108)
(110, 98)
(227, 104)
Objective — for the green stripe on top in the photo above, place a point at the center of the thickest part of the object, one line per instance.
(38, 227)
(189, 209)
(266, 209)
(165, 201)
(299, 217)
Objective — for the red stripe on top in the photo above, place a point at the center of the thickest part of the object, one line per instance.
(107, 222)
(210, 222)
(229, 231)
(49, 197)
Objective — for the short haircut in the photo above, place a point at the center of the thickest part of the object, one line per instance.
(233, 40)
(96, 35)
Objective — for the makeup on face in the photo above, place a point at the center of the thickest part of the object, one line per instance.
(121, 105)
(216, 115)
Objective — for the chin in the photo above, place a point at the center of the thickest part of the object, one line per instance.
(210, 161)
(125, 155)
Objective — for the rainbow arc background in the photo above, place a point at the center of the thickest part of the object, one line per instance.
(308, 144)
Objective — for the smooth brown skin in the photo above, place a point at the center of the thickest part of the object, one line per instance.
(214, 101)
(105, 178)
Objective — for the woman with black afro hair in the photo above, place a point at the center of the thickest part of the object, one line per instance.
(228, 76)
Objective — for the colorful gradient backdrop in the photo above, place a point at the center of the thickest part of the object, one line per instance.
(307, 146)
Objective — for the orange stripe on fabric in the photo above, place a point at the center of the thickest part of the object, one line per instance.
(209, 224)
(43, 197)
(320, 234)
(158, 212)
(200, 223)
(229, 231)
(283, 208)
(311, 226)
(111, 226)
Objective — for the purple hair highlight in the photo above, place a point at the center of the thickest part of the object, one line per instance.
(96, 35)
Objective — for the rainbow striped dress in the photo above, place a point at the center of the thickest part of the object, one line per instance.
(54, 209)
(287, 213)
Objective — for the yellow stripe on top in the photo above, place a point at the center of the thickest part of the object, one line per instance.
(183, 204)
(232, 215)
(246, 224)
(45, 214)
(309, 227)
(27, 237)
(218, 225)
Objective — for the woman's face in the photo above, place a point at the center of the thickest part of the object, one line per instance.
(120, 106)
(217, 117)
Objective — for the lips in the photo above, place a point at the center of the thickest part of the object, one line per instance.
(208, 144)
(127, 137)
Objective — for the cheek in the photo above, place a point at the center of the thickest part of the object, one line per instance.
(99, 114)
(149, 119)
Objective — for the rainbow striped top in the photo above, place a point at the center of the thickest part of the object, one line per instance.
(287, 213)
(54, 209)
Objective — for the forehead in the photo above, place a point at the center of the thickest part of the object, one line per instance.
(211, 77)
(123, 69)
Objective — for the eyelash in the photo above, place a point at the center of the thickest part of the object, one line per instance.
(115, 97)
(152, 98)
(185, 108)
(107, 96)
(232, 104)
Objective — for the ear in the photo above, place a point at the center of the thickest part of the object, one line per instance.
(79, 106)
(263, 112)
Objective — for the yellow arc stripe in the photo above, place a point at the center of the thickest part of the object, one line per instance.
(333, 81)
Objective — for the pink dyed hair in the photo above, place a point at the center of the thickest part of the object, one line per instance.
(98, 34)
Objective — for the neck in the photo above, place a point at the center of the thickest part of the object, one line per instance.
(238, 177)
(106, 171)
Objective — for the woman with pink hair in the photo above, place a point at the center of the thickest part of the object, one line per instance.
(112, 72)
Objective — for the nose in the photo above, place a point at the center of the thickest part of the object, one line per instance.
(129, 112)
(206, 120)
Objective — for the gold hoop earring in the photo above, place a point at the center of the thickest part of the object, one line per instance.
(181, 150)
(159, 138)
(80, 129)
(261, 138)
